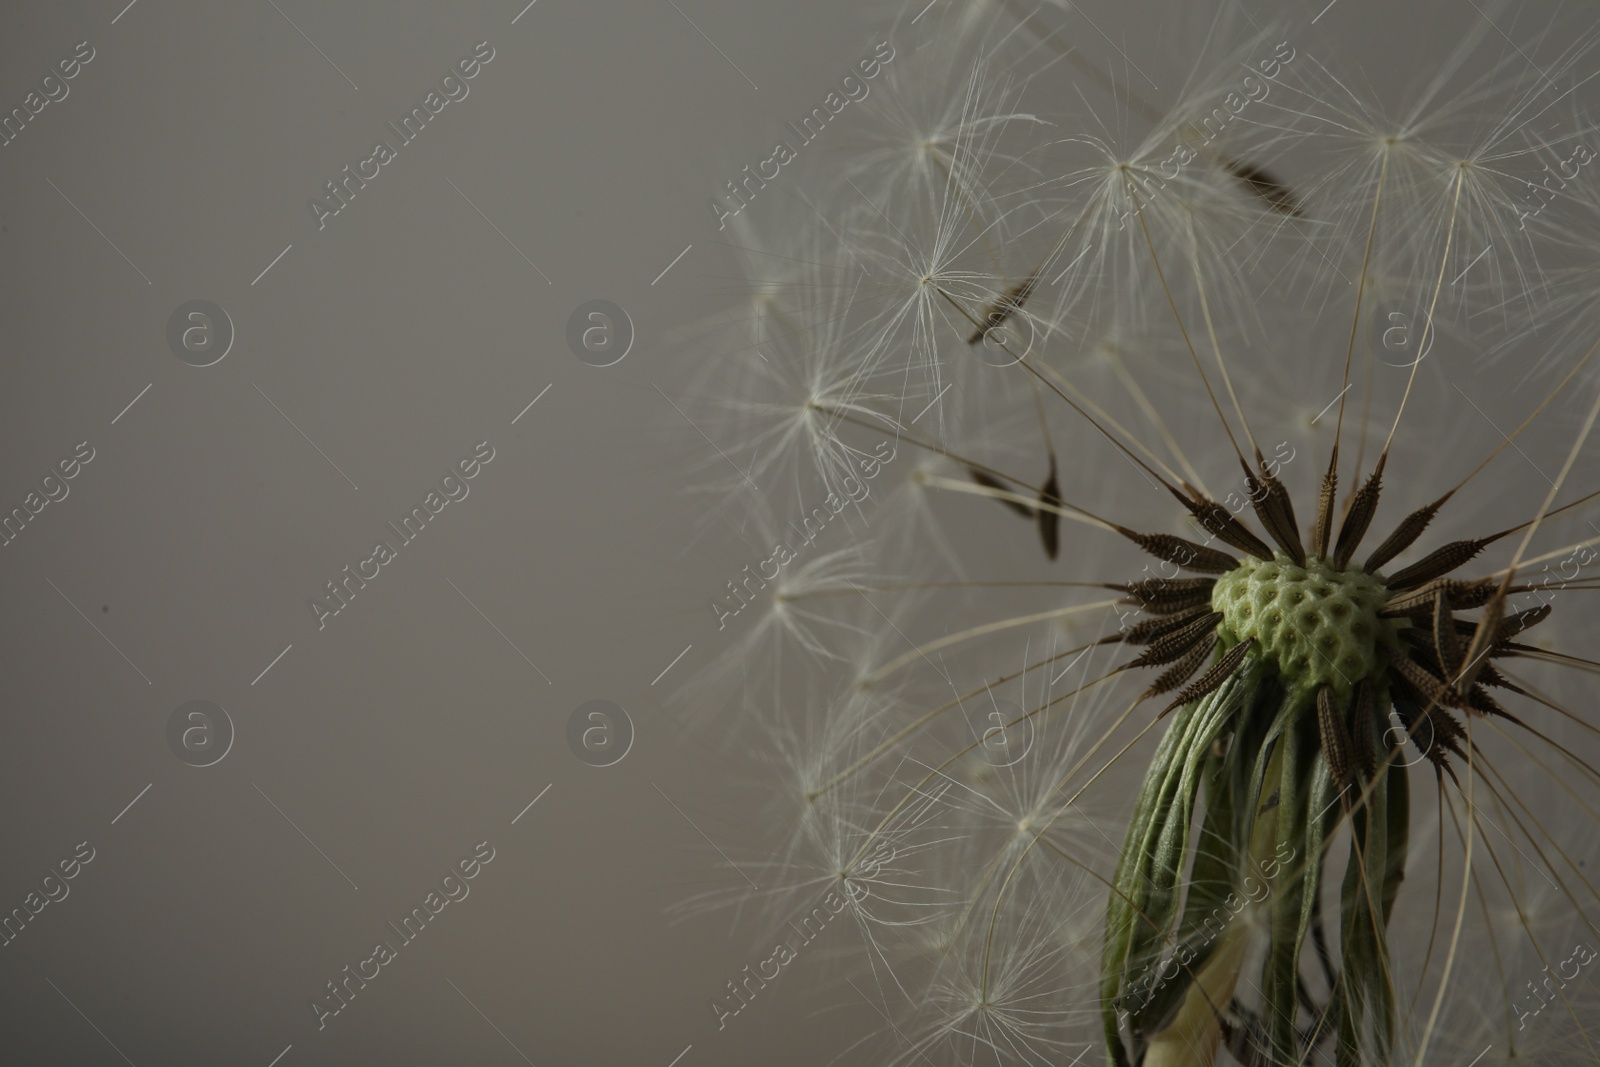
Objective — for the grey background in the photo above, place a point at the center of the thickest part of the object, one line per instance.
(411, 727)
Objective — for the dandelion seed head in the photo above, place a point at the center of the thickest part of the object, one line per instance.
(1107, 716)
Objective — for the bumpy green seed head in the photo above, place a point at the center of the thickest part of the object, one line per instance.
(1318, 625)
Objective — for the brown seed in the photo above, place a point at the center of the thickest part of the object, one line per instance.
(1363, 506)
(1362, 715)
(1170, 646)
(1260, 182)
(1149, 630)
(1163, 596)
(1219, 522)
(991, 482)
(1049, 520)
(1322, 528)
(1408, 531)
(1482, 642)
(1181, 671)
(1439, 562)
(1219, 672)
(1335, 735)
(1003, 307)
(1276, 512)
(1446, 642)
(1185, 554)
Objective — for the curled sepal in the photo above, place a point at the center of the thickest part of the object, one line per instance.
(1141, 980)
(1365, 993)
